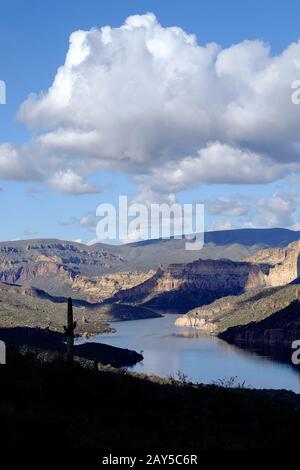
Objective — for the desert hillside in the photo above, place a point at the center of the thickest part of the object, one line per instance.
(251, 306)
(29, 307)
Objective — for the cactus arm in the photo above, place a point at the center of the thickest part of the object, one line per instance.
(69, 331)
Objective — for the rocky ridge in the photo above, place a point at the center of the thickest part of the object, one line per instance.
(61, 267)
(183, 286)
(68, 269)
(270, 269)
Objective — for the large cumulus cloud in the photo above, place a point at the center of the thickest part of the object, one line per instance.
(151, 102)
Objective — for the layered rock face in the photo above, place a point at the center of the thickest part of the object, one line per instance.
(63, 268)
(277, 267)
(211, 274)
(16, 272)
(24, 262)
(183, 286)
(283, 262)
(104, 287)
(49, 273)
(210, 279)
(199, 323)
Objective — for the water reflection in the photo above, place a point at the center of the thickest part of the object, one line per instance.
(167, 349)
(268, 352)
(187, 334)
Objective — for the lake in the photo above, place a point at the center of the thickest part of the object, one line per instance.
(168, 349)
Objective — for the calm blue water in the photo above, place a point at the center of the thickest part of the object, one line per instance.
(167, 349)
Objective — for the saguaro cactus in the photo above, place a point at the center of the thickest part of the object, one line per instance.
(69, 332)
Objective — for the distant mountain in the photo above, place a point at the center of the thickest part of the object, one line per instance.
(69, 268)
(268, 237)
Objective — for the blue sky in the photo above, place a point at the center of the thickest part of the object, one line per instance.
(34, 41)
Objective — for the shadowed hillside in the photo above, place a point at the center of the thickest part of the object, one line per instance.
(281, 327)
(53, 406)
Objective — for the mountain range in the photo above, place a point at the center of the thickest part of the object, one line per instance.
(99, 271)
(142, 279)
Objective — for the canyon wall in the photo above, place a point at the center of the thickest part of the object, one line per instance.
(283, 262)
(68, 269)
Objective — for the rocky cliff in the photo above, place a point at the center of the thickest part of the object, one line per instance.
(54, 264)
(70, 269)
(183, 286)
(267, 269)
(103, 287)
(283, 262)
(65, 269)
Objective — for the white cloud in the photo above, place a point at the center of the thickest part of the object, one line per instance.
(216, 164)
(68, 182)
(277, 211)
(151, 102)
(15, 166)
(31, 232)
(69, 222)
(228, 206)
(222, 225)
(89, 221)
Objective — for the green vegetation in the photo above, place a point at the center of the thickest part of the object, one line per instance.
(29, 307)
(252, 306)
(256, 305)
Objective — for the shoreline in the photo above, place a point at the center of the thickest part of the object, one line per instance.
(47, 342)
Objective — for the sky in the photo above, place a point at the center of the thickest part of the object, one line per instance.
(160, 101)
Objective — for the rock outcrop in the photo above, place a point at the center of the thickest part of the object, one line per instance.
(284, 263)
(103, 287)
(268, 268)
(183, 286)
(52, 265)
(62, 275)
(67, 269)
